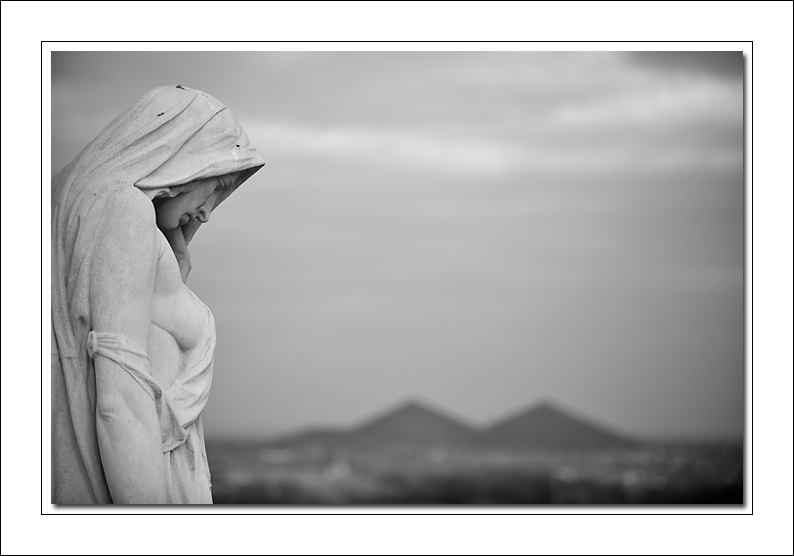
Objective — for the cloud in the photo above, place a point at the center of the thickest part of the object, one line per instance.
(627, 120)
(484, 114)
(721, 64)
(495, 157)
(443, 154)
(675, 104)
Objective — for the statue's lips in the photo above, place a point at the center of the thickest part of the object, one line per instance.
(184, 219)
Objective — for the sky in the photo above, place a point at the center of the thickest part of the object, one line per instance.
(477, 231)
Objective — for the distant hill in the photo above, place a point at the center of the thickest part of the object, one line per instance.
(411, 424)
(415, 424)
(547, 426)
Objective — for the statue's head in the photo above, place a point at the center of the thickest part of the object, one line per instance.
(204, 155)
(182, 147)
(194, 201)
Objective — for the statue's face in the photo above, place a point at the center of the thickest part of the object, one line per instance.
(195, 201)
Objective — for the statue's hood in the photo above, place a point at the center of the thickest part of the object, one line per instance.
(171, 136)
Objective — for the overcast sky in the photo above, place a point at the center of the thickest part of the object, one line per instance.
(477, 231)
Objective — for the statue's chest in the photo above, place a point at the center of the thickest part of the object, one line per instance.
(176, 309)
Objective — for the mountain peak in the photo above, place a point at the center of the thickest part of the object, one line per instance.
(545, 405)
(415, 422)
(546, 425)
(413, 406)
(412, 403)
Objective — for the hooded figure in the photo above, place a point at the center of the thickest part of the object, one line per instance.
(132, 347)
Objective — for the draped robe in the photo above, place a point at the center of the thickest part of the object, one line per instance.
(170, 137)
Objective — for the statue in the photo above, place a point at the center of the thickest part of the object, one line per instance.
(132, 346)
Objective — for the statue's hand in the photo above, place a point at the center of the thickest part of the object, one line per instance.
(184, 265)
(177, 241)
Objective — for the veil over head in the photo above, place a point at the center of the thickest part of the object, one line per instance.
(171, 136)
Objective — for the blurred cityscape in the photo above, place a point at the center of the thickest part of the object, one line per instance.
(415, 455)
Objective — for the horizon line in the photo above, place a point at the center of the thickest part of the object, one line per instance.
(432, 407)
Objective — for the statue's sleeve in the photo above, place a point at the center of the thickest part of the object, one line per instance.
(120, 300)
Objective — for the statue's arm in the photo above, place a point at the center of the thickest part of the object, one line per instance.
(122, 284)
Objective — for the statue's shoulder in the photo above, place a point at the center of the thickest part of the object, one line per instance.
(130, 204)
(130, 225)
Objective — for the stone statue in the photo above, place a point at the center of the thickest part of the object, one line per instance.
(132, 346)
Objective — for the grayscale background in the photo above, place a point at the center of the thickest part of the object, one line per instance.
(466, 234)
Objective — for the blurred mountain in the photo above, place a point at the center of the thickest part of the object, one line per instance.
(415, 424)
(548, 426)
(411, 424)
